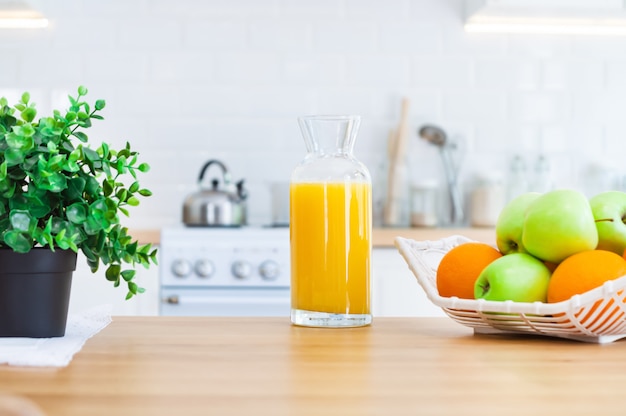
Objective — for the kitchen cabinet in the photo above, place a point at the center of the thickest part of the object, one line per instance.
(92, 289)
(395, 291)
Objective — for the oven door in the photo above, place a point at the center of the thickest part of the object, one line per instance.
(225, 302)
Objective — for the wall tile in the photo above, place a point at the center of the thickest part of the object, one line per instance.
(115, 66)
(343, 37)
(171, 66)
(444, 73)
(145, 102)
(600, 47)
(26, 40)
(251, 102)
(457, 42)
(353, 101)
(474, 106)
(616, 75)
(425, 10)
(573, 74)
(45, 68)
(396, 10)
(377, 71)
(554, 138)
(159, 33)
(279, 35)
(616, 138)
(599, 107)
(214, 8)
(424, 105)
(411, 38)
(316, 70)
(223, 79)
(111, 9)
(504, 137)
(94, 33)
(235, 69)
(539, 46)
(213, 35)
(62, 9)
(9, 68)
(507, 74)
(311, 9)
(539, 107)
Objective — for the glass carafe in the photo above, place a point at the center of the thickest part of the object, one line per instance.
(330, 227)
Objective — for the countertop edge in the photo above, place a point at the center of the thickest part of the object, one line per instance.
(381, 237)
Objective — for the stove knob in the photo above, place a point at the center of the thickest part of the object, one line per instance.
(181, 268)
(241, 269)
(204, 268)
(269, 270)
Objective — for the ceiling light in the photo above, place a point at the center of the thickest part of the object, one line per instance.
(18, 14)
(574, 17)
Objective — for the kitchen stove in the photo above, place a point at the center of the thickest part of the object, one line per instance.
(239, 271)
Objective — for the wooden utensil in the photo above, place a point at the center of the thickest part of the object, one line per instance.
(396, 180)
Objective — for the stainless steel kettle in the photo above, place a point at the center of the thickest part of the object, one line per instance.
(217, 206)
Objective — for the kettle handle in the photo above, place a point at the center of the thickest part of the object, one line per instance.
(225, 173)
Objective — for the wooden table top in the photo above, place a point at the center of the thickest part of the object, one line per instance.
(248, 366)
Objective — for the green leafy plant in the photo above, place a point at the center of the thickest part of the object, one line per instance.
(56, 191)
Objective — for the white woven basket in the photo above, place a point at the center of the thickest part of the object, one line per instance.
(598, 315)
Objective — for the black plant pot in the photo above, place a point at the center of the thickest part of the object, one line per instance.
(35, 292)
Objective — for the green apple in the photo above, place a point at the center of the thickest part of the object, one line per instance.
(609, 212)
(558, 224)
(510, 223)
(519, 277)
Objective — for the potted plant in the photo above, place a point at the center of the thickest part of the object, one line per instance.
(59, 196)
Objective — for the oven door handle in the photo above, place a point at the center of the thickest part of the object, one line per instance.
(219, 300)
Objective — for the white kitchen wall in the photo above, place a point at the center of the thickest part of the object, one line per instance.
(191, 80)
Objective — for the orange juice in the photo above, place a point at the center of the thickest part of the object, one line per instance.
(330, 227)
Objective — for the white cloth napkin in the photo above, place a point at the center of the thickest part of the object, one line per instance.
(59, 351)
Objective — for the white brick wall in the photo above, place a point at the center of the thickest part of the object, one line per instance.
(191, 80)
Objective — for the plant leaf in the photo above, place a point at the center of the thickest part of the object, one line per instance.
(113, 272)
(18, 241)
(128, 275)
(81, 136)
(21, 220)
(77, 213)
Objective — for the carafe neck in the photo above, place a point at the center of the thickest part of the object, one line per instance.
(329, 135)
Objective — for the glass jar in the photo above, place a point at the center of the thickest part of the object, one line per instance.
(488, 198)
(517, 182)
(424, 204)
(330, 227)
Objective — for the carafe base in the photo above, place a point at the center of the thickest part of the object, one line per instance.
(329, 320)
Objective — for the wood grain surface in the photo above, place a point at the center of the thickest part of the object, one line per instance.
(250, 366)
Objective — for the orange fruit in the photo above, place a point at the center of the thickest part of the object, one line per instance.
(459, 268)
(582, 272)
